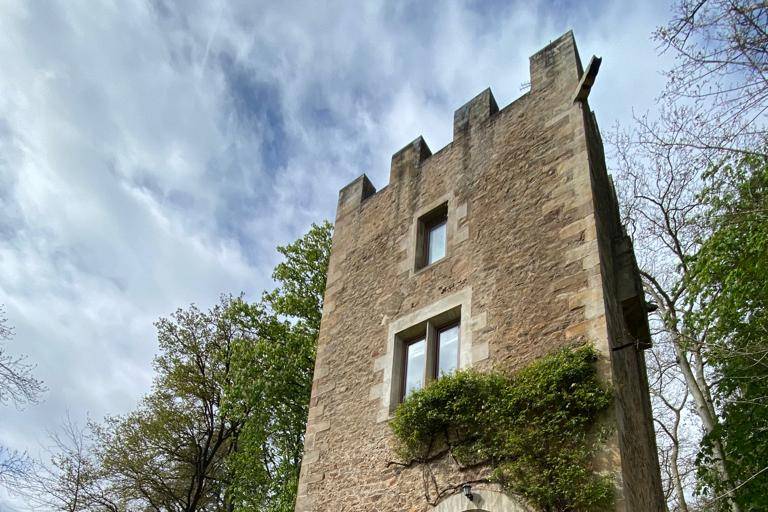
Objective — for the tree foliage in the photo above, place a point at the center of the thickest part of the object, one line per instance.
(72, 479)
(169, 454)
(537, 429)
(659, 192)
(728, 283)
(273, 363)
(713, 107)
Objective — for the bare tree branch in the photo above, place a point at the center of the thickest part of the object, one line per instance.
(17, 384)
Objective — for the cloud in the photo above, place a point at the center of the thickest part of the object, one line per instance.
(152, 154)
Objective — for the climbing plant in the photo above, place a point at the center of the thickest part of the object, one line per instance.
(537, 430)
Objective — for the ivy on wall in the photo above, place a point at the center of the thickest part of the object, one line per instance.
(537, 429)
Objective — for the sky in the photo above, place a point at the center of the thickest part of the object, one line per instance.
(153, 153)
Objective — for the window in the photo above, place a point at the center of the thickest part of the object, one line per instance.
(415, 362)
(425, 343)
(447, 350)
(431, 351)
(431, 239)
(436, 242)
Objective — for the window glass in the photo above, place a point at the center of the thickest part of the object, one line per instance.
(415, 360)
(436, 243)
(447, 350)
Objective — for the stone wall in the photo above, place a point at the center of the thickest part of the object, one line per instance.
(531, 261)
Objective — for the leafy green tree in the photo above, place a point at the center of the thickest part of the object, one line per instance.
(272, 375)
(170, 453)
(729, 282)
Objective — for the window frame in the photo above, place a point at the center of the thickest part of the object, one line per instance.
(425, 224)
(429, 332)
(454, 306)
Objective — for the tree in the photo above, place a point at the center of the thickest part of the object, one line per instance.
(18, 386)
(273, 364)
(658, 189)
(72, 479)
(712, 108)
(671, 417)
(716, 93)
(728, 284)
(13, 466)
(223, 425)
(169, 454)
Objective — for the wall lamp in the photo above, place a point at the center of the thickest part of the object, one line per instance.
(466, 490)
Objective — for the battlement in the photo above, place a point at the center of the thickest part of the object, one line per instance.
(409, 159)
(353, 195)
(555, 72)
(474, 112)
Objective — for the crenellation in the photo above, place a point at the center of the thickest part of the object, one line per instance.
(556, 65)
(409, 159)
(354, 194)
(474, 112)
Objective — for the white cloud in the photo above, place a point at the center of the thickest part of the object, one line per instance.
(152, 154)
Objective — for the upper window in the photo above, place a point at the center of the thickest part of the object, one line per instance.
(433, 351)
(431, 237)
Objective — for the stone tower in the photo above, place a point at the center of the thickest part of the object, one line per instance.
(503, 246)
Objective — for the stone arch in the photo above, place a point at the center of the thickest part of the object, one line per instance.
(484, 501)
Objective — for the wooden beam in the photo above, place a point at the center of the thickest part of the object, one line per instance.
(587, 80)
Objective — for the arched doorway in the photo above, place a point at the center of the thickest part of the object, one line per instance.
(483, 501)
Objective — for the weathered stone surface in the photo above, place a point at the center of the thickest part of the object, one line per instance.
(531, 227)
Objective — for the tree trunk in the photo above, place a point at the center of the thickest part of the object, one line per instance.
(705, 409)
